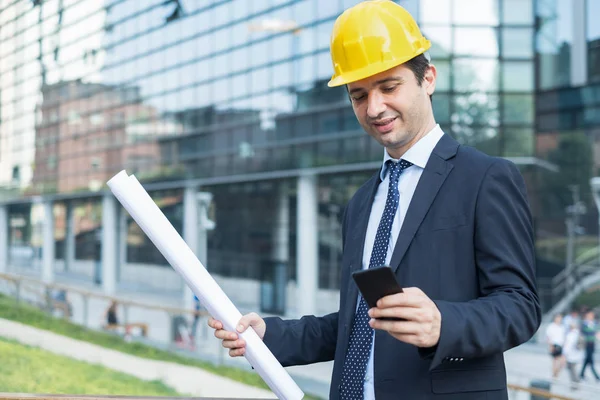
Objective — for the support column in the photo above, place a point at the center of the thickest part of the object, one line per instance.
(190, 235)
(122, 252)
(281, 252)
(108, 259)
(307, 245)
(579, 63)
(3, 239)
(69, 238)
(48, 243)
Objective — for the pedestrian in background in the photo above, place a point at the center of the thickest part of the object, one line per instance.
(573, 353)
(555, 336)
(589, 330)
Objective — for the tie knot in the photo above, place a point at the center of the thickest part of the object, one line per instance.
(396, 168)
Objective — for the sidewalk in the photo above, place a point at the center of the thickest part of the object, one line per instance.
(186, 380)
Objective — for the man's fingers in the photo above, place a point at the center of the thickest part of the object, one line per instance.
(237, 352)
(397, 327)
(406, 299)
(233, 344)
(215, 324)
(407, 313)
(225, 335)
(248, 320)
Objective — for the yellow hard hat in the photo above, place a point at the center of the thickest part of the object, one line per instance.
(371, 37)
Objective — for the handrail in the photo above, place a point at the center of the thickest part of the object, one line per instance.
(121, 301)
(538, 392)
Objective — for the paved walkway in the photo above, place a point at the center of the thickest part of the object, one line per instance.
(184, 379)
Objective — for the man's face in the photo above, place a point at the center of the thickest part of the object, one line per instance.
(590, 316)
(393, 108)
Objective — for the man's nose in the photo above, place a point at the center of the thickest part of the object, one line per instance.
(375, 105)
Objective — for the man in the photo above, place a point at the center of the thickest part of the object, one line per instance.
(589, 330)
(455, 228)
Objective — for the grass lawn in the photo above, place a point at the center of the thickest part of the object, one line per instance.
(32, 316)
(26, 369)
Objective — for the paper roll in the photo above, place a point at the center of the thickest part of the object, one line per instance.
(165, 237)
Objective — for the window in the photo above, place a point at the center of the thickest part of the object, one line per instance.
(553, 43)
(73, 117)
(517, 42)
(480, 12)
(435, 12)
(518, 108)
(517, 76)
(517, 11)
(486, 43)
(518, 142)
(475, 75)
(96, 119)
(593, 40)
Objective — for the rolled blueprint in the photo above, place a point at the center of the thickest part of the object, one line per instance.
(157, 227)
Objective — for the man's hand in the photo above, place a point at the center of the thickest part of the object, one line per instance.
(422, 323)
(231, 340)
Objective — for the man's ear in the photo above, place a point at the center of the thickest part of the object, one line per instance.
(429, 79)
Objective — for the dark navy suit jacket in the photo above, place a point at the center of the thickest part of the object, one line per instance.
(467, 242)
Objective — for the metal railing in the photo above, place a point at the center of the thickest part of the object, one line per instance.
(540, 393)
(42, 295)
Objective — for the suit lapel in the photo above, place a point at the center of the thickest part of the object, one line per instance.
(435, 173)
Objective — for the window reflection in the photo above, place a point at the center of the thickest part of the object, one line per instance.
(517, 108)
(442, 82)
(476, 41)
(517, 42)
(435, 12)
(554, 38)
(441, 108)
(518, 142)
(593, 40)
(480, 12)
(473, 74)
(517, 76)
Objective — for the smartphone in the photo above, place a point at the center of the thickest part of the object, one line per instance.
(375, 283)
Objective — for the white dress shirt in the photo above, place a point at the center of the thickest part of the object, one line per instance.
(418, 154)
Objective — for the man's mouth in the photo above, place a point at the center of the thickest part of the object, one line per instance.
(384, 125)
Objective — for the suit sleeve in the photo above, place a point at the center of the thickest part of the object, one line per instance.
(303, 341)
(507, 313)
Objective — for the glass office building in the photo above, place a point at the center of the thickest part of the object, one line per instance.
(229, 97)
(568, 137)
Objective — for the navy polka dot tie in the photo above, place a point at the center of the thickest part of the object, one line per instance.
(361, 336)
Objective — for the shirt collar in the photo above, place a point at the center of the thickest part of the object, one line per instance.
(419, 153)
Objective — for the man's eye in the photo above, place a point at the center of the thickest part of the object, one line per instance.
(358, 98)
(389, 89)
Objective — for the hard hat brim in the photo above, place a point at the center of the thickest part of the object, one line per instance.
(372, 69)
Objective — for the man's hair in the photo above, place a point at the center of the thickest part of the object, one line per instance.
(418, 65)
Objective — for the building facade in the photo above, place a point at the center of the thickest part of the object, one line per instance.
(229, 97)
